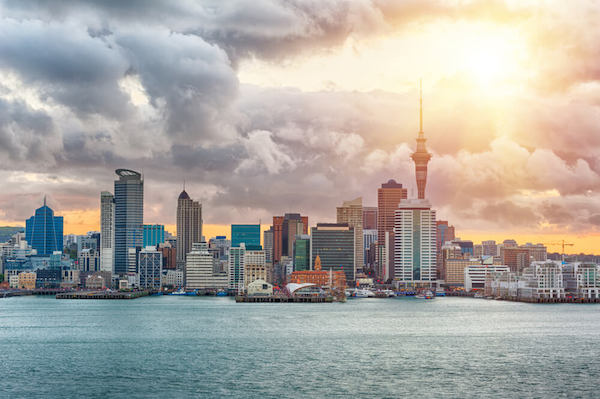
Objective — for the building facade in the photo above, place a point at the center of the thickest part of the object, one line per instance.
(129, 216)
(285, 230)
(189, 226)
(150, 268)
(415, 244)
(44, 231)
(154, 234)
(369, 218)
(351, 212)
(334, 244)
(302, 252)
(249, 234)
(107, 231)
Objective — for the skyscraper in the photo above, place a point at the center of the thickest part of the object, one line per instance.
(189, 226)
(268, 245)
(44, 231)
(369, 218)
(388, 197)
(129, 216)
(421, 157)
(415, 244)
(150, 268)
(285, 230)
(351, 212)
(334, 244)
(154, 234)
(248, 234)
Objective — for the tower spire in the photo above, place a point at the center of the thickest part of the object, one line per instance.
(44, 199)
(421, 106)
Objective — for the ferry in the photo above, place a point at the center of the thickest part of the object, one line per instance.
(425, 295)
(181, 291)
(360, 293)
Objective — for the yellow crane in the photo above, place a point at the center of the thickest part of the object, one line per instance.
(563, 244)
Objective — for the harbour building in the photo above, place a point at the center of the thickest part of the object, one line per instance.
(129, 216)
(201, 271)
(334, 244)
(44, 231)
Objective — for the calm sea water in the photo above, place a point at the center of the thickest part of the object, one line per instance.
(213, 347)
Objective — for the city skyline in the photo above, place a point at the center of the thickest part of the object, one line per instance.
(510, 119)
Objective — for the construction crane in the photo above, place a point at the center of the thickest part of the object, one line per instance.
(563, 244)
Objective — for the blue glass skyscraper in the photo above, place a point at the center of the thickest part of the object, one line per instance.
(129, 216)
(245, 233)
(44, 231)
(154, 234)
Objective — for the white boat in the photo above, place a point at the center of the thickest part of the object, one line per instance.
(363, 293)
(389, 293)
(425, 295)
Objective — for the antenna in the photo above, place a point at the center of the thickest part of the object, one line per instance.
(420, 105)
(44, 199)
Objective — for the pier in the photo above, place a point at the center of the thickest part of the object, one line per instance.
(278, 299)
(101, 295)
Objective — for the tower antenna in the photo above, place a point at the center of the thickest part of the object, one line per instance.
(420, 105)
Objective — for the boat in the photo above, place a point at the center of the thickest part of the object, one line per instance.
(479, 295)
(181, 291)
(425, 295)
(221, 293)
(439, 291)
(389, 293)
(363, 293)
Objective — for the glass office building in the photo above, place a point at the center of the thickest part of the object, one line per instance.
(154, 234)
(334, 243)
(129, 216)
(44, 231)
(248, 234)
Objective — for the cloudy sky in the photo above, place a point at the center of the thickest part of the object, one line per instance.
(266, 107)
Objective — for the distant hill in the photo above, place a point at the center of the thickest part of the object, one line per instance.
(8, 231)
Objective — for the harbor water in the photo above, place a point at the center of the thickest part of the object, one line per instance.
(177, 346)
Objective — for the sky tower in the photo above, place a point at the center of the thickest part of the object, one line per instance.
(421, 157)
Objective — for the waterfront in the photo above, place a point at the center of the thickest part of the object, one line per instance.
(213, 347)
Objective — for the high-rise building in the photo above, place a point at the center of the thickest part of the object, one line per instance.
(351, 212)
(129, 216)
(369, 237)
(415, 244)
(169, 256)
(334, 244)
(489, 248)
(189, 226)
(88, 260)
(236, 267)
(268, 245)
(421, 157)
(254, 266)
(369, 218)
(107, 231)
(444, 233)
(200, 271)
(154, 234)
(44, 231)
(285, 230)
(389, 195)
(248, 234)
(302, 252)
(150, 268)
